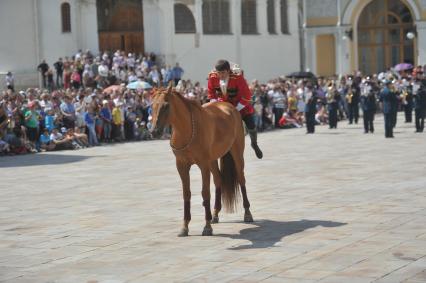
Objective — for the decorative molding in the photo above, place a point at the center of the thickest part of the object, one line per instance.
(354, 9)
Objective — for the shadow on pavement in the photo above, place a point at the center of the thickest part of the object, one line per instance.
(267, 233)
(39, 159)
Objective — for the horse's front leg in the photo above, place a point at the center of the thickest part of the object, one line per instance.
(205, 172)
(183, 169)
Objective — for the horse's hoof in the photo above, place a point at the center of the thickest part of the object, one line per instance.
(248, 218)
(208, 231)
(215, 219)
(183, 233)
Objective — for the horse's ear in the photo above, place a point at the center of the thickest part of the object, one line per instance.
(170, 87)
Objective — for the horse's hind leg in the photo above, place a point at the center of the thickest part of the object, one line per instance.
(238, 156)
(214, 167)
(205, 172)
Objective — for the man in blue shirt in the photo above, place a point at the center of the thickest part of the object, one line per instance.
(68, 111)
(177, 73)
(388, 99)
(106, 116)
(89, 118)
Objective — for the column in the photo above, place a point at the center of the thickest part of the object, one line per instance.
(198, 15)
(262, 17)
(338, 36)
(292, 16)
(307, 43)
(277, 6)
(167, 14)
(235, 6)
(420, 42)
(37, 34)
(78, 24)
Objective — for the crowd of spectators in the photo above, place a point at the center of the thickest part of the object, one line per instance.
(84, 101)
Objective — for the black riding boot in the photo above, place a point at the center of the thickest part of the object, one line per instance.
(253, 138)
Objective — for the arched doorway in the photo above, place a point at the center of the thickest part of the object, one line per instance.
(382, 41)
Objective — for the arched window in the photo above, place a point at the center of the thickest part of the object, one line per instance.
(66, 17)
(216, 18)
(248, 17)
(271, 16)
(382, 42)
(184, 19)
(284, 17)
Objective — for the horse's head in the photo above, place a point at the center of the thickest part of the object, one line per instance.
(160, 110)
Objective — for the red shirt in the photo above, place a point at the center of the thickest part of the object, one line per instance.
(237, 91)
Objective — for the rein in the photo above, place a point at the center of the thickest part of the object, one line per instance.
(175, 149)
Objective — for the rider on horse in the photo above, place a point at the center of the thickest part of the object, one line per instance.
(229, 86)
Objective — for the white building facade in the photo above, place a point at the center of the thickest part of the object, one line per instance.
(32, 30)
(264, 45)
(263, 49)
(267, 38)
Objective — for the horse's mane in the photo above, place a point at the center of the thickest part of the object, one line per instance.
(185, 100)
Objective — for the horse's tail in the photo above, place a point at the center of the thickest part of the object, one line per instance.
(229, 182)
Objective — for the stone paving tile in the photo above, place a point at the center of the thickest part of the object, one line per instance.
(305, 274)
(374, 268)
(346, 279)
(277, 279)
(337, 206)
(407, 272)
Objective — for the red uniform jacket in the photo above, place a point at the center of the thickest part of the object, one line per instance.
(237, 91)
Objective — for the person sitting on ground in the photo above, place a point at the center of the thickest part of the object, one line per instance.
(82, 137)
(60, 141)
(77, 144)
(287, 121)
(45, 143)
(142, 132)
(49, 119)
(4, 147)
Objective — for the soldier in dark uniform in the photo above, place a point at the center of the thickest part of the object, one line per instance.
(419, 97)
(388, 98)
(353, 96)
(333, 100)
(230, 86)
(407, 100)
(394, 105)
(368, 104)
(310, 108)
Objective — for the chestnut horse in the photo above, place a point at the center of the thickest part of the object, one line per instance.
(202, 135)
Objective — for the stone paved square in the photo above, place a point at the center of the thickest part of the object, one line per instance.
(336, 206)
